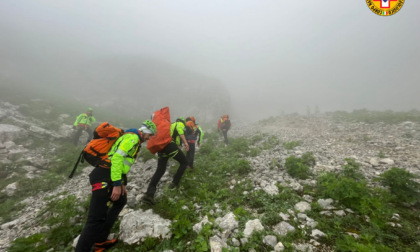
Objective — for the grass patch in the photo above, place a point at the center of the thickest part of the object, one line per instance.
(291, 145)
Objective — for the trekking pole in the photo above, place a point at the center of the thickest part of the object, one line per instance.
(75, 166)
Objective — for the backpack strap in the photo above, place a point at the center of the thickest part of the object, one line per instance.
(77, 163)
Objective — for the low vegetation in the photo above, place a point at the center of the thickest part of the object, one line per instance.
(209, 185)
(370, 222)
(300, 167)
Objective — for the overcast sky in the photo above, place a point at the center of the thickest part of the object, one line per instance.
(272, 55)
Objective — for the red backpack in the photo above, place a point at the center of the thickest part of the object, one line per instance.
(96, 151)
(162, 119)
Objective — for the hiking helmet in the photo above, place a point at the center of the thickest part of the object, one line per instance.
(148, 127)
(181, 119)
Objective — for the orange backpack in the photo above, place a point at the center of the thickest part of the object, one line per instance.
(162, 119)
(96, 151)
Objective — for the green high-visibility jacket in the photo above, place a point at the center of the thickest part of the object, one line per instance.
(84, 119)
(177, 129)
(200, 133)
(122, 155)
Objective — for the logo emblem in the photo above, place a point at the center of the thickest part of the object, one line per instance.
(385, 7)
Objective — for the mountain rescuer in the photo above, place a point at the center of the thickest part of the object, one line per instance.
(171, 150)
(193, 131)
(224, 125)
(83, 122)
(109, 188)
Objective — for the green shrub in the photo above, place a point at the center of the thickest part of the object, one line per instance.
(297, 168)
(241, 167)
(201, 242)
(350, 189)
(344, 189)
(401, 184)
(274, 164)
(271, 142)
(352, 169)
(256, 138)
(253, 152)
(239, 145)
(33, 243)
(348, 243)
(291, 145)
(308, 159)
(181, 227)
(381, 154)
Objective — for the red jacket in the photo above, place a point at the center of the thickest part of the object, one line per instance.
(223, 123)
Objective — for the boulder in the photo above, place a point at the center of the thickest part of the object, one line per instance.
(303, 206)
(283, 228)
(217, 244)
(270, 240)
(326, 203)
(251, 226)
(316, 234)
(271, 189)
(227, 222)
(138, 225)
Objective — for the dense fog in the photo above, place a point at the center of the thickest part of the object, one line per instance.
(251, 59)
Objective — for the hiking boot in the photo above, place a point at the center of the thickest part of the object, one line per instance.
(148, 200)
(106, 244)
(95, 249)
(103, 246)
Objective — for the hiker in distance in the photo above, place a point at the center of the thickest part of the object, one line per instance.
(83, 123)
(109, 187)
(193, 131)
(171, 150)
(223, 125)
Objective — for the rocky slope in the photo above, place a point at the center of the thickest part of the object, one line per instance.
(377, 147)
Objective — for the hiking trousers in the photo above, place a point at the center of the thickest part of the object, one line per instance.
(225, 136)
(190, 154)
(170, 151)
(79, 133)
(101, 217)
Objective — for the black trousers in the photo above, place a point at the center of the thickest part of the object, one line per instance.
(170, 151)
(190, 154)
(225, 136)
(101, 218)
(79, 133)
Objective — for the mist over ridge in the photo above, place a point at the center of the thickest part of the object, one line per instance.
(134, 86)
(266, 58)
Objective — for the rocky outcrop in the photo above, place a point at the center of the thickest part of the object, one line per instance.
(137, 225)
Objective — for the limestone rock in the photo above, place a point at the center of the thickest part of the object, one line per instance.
(303, 206)
(138, 225)
(283, 228)
(271, 189)
(228, 222)
(217, 244)
(270, 240)
(251, 226)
